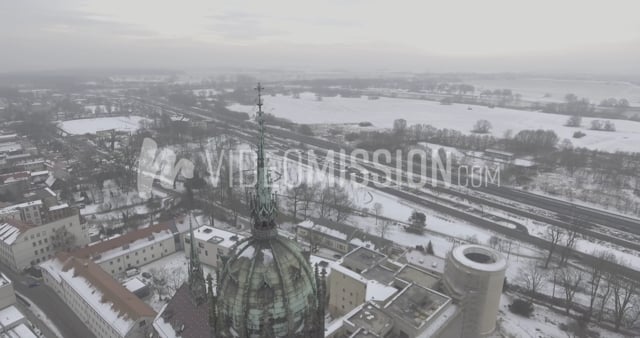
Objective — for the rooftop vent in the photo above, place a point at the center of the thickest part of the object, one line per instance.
(207, 230)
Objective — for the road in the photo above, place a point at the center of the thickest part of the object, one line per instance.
(69, 325)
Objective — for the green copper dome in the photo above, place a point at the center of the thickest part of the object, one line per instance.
(267, 286)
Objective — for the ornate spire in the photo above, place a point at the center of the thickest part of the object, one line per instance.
(263, 204)
(196, 276)
(194, 260)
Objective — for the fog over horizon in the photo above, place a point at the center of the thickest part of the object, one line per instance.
(594, 37)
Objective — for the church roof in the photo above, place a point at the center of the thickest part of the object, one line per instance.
(182, 317)
(268, 280)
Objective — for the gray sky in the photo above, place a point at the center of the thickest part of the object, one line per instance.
(584, 36)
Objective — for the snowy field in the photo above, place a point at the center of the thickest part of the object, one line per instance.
(535, 88)
(92, 126)
(384, 111)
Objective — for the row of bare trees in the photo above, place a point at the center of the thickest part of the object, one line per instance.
(606, 295)
(328, 201)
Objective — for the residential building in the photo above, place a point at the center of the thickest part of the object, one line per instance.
(12, 322)
(107, 308)
(212, 244)
(24, 244)
(130, 250)
(7, 293)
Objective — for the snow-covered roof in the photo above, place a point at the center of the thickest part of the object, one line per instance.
(51, 180)
(218, 236)
(9, 232)
(134, 284)
(39, 173)
(21, 331)
(425, 260)
(121, 244)
(162, 327)
(4, 280)
(379, 292)
(374, 290)
(16, 207)
(110, 300)
(9, 316)
(10, 147)
(58, 207)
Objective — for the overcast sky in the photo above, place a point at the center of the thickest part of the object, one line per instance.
(585, 36)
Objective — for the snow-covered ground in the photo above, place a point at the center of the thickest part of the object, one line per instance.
(534, 89)
(544, 323)
(91, 126)
(384, 111)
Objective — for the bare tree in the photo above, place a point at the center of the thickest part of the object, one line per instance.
(307, 198)
(383, 227)
(569, 244)
(324, 200)
(596, 278)
(377, 210)
(340, 203)
(62, 239)
(533, 276)
(606, 294)
(623, 290)
(571, 280)
(295, 195)
(553, 235)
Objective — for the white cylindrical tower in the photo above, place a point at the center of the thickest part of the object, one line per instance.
(473, 276)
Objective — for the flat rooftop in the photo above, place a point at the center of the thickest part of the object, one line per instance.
(424, 261)
(410, 274)
(361, 259)
(380, 273)
(416, 305)
(217, 236)
(371, 320)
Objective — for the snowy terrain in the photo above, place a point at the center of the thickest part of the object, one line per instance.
(92, 126)
(534, 89)
(384, 111)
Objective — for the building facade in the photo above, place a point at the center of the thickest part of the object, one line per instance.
(131, 250)
(23, 245)
(212, 244)
(107, 308)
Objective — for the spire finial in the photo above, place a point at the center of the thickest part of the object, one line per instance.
(263, 205)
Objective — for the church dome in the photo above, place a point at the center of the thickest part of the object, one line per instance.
(267, 289)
